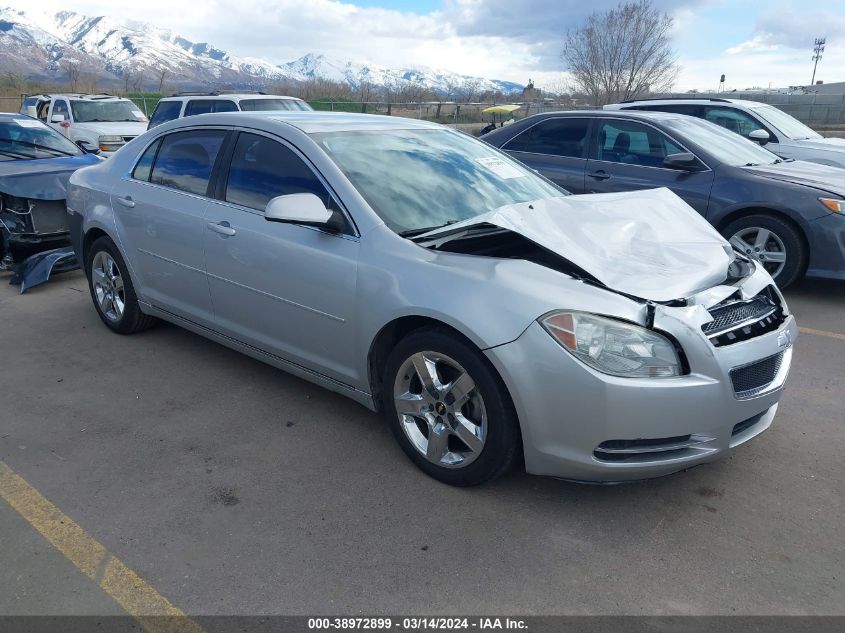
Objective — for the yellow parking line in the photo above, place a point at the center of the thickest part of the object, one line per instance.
(140, 600)
(809, 330)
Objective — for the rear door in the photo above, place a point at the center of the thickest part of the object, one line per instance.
(628, 155)
(160, 207)
(555, 147)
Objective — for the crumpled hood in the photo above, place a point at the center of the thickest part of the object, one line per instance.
(648, 244)
(801, 172)
(41, 179)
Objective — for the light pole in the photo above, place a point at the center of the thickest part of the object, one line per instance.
(818, 49)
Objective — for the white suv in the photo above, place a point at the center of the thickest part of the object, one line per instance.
(190, 103)
(96, 123)
(773, 128)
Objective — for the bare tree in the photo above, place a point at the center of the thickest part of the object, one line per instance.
(71, 69)
(161, 75)
(622, 53)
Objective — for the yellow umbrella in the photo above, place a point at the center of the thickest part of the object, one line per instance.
(501, 109)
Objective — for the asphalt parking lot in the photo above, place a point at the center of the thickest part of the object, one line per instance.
(230, 487)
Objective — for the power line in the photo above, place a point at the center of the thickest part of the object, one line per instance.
(818, 49)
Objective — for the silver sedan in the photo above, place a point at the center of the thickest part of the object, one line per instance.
(491, 316)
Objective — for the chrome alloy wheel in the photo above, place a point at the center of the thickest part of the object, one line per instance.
(762, 245)
(108, 286)
(440, 409)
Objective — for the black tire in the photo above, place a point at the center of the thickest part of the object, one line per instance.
(789, 236)
(131, 319)
(502, 444)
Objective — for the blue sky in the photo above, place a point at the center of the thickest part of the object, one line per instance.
(754, 43)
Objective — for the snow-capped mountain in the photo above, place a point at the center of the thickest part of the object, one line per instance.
(39, 45)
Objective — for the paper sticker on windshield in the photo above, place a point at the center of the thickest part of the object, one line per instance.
(499, 167)
(27, 122)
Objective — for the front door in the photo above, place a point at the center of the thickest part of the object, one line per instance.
(628, 155)
(287, 289)
(160, 209)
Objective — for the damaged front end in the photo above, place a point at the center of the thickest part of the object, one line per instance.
(29, 226)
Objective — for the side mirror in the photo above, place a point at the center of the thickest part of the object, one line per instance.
(759, 136)
(298, 208)
(81, 145)
(57, 118)
(685, 161)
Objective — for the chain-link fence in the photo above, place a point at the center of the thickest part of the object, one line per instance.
(817, 110)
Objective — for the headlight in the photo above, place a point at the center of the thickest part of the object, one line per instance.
(614, 347)
(832, 204)
(110, 139)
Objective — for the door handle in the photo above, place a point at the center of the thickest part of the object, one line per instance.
(222, 227)
(599, 175)
(126, 201)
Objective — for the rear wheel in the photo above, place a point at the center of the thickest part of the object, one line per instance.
(772, 242)
(112, 290)
(449, 410)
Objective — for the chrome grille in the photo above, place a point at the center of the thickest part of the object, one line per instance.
(752, 379)
(741, 320)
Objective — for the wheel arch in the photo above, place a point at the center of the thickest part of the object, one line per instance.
(90, 237)
(395, 331)
(780, 214)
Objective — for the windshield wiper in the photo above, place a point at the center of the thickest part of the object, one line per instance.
(752, 164)
(44, 147)
(415, 232)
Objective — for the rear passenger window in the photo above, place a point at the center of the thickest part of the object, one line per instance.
(144, 167)
(185, 160)
(165, 111)
(556, 137)
(263, 169)
(204, 106)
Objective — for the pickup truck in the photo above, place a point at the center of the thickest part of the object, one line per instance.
(96, 123)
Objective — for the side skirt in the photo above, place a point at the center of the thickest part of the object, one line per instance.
(299, 371)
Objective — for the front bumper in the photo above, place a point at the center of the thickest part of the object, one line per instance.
(567, 410)
(827, 247)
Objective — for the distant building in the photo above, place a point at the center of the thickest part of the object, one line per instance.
(835, 88)
(530, 93)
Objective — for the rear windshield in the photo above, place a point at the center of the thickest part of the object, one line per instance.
(256, 105)
(26, 139)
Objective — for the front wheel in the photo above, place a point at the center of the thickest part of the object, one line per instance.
(112, 290)
(449, 410)
(773, 243)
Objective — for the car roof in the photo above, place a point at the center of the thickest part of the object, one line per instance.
(307, 122)
(5, 116)
(234, 96)
(691, 100)
(78, 95)
(653, 115)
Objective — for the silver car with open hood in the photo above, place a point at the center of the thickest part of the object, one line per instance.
(490, 315)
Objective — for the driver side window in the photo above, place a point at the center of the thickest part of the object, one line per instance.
(732, 120)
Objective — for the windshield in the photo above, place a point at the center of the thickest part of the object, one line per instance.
(261, 105)
(416, 179)
(722, 144)
(788, 125)
(106, 112)
(26, 139)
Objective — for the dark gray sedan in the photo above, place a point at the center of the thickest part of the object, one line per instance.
(789, 215)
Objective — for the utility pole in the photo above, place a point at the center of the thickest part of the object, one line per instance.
(818, 49)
